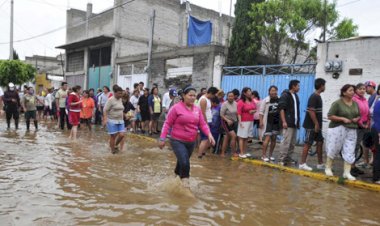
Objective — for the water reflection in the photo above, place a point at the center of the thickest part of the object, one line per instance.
(44, 180)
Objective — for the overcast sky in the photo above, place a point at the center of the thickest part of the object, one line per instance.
(34, 17)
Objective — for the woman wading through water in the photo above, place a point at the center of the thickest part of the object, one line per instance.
(184, 120)
(113, 117)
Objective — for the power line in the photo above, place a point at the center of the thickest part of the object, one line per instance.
(1, 5)
(65, 26)
(348, 3)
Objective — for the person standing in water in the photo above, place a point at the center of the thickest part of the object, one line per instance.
(29, 104)
(113, 117)
(88, 106)
(184, 120)
(12, 102)
(75, 104)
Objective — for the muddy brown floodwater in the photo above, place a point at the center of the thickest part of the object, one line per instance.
(45, 180)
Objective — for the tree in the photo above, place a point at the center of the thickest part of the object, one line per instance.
(15, 55)
(15, 71)
(245, 42)
(345, 29)
(284, 25)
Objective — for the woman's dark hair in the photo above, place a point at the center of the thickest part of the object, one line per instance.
(256, 94)
(236, 92)
(91, 90)
(86, 92)
(243, 91)
(272, 87)
(215, 100)
(106, 87)
(187, 89)
(76, 88)
(359, 85)
(151, 92)
(116, 88)
(146, 89)
(345, 88)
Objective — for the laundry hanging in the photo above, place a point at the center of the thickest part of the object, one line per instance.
(199, 32)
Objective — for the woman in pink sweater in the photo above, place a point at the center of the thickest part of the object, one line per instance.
(184, 120)
(363, 123)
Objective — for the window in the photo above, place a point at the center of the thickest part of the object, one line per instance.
(75, 61)
(100, 57)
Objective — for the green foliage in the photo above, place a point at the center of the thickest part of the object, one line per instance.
(245, 41)
(345, 29)
(15, 55)
(15, 71)
(284, 25)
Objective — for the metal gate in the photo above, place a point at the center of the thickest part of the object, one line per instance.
(260, 78)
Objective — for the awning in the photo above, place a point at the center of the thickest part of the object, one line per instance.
(87, 42)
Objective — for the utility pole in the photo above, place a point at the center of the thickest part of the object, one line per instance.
(11, 34)
(325, 21)
(152, 20)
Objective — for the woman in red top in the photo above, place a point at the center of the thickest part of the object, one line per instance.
(246, 108)
(75, 105)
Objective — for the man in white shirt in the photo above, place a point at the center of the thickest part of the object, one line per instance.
(166, 100)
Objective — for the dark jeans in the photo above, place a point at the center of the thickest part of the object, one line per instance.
(62, 118)
(98, 117)
(376, 158)
(182, 151)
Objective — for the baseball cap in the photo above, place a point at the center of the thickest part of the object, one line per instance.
(173, 93)
(11, 85)
(370, 83)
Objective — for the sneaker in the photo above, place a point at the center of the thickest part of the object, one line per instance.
(281, 163)
(272, 158)
(377, 182)
(265, 159)
(321, 166)
(248, 155)
(305, 167)
(242, 156)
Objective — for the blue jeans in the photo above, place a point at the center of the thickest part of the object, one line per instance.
(182, 151)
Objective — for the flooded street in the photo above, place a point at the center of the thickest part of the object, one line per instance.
(44, 180)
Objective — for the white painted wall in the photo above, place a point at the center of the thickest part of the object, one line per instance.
(355, 53)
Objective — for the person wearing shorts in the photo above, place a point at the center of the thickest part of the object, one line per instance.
(75, 104)
(228, 113)
(313, 125)
(246, 108)
(29, 104)
(270, 122)
(113, 118)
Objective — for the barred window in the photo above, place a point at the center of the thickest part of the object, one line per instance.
(75, 61)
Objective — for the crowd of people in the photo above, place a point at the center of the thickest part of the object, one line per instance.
(212, 118)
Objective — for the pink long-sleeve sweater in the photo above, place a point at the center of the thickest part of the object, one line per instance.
(184, 123)
(363, 108)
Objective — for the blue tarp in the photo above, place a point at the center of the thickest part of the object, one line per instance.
(199, 32)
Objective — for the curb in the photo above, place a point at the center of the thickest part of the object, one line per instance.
(317, 176)
(313, 175)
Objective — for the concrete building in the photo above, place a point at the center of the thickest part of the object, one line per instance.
(112, 46)
(50, 71)
(349, 61)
